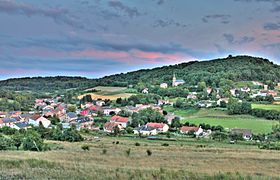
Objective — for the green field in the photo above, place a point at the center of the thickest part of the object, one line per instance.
(182, 159)
(219, 117)
(266, 106)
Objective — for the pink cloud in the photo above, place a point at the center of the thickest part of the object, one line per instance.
(93, 53)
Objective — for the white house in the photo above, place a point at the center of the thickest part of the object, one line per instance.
(100, 103)
(46, 123)
(145, 91)
(160, 127)
(123, 121)
(163, 85)
(146, 131)
(107, 111)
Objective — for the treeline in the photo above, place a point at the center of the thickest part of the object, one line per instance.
(47, 84)
(235, 107)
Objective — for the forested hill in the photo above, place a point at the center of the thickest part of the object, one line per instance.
(46, 84)
(239, 68)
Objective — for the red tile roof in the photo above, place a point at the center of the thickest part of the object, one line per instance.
(119, 119)
(156, 125)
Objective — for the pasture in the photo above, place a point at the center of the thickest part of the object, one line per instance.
(112, 93)
(182, 159)
(220, 117)
(266, 106)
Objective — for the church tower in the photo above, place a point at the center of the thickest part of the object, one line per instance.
(174, 80)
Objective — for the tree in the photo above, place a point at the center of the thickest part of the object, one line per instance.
(176, 123)
(17, 140)
(5, 143)
(32, 141)
(85, 147)
(201, 86)
(116, 130)
(71, 108)
(220, 136)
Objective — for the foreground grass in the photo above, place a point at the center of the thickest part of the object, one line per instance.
(219, 117)
(266, 106)
(182, 159)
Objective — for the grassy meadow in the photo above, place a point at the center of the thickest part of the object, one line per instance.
(111, 93)
(182, 159)
(266, 106)
(220, 117)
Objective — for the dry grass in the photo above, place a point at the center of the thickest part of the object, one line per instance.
(177, 161)
(111, 93)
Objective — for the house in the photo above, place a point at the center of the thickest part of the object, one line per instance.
(2, 114)
(222, 100)
(145, 130)
(269, 92)
(163, 85)
(196, 130)
(145, 91)
(176, 82)
(84, 122)
(205, 104)
(8, 121)
(246, 133)
(100, 103)
(109, 127)
(164, 102)
(71, 116)
(25, 117)
(108, 111)
(21, 125)
(59, 110)
(123, 121)
(245, 89)
(191, 96)
(209, 90)
(160, 127)
(36, 119)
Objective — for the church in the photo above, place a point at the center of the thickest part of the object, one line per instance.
(177, 82)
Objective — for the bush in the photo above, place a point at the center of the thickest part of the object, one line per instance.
(85, 147)
(149, 152)
(5, 143)
(128, 152)
(104, 151)
(137, 144)
(165, 144)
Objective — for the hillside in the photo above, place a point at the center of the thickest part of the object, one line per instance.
(239, 68)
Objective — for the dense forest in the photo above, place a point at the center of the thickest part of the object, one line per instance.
(213, 73)
(239, 68)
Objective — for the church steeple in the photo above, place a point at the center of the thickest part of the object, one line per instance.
(174, 80)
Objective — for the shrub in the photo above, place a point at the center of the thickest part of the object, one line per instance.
(85, 147)
(5, 143)
(117, 142)
(128, 152)
(149, 152)
(32, 141)
(165, 144)
(104, 151)
(137, 144)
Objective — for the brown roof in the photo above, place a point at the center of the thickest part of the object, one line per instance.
(35, 116)
(189, 128)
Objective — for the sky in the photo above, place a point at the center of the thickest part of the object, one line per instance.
(94, 38)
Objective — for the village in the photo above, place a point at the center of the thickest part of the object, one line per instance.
(50, 112)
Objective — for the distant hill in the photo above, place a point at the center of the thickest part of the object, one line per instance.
(46, 84)
(239, 68)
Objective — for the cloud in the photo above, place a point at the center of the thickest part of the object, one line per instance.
(163, 23)
(57, 14)
(243, 40)
(271, 26)
(222, 18)
(130, 11)
(160, 2)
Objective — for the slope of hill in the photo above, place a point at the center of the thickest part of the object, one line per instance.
(239, 68)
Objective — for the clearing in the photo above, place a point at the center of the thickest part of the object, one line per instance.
(112, 93)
